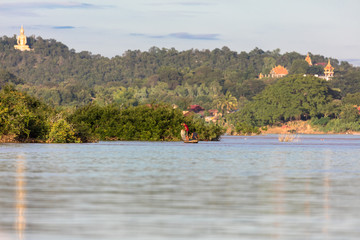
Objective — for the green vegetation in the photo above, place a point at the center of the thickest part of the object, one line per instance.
(294, 97)
(128, 97)
(60, 76)
(298, 97)
(26, 119)
(62, 132)
(22, 116)
(159, 122)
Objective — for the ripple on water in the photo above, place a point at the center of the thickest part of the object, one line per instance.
(252, 187)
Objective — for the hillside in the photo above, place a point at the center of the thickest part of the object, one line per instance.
(61, 76)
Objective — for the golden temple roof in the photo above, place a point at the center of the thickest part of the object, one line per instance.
(279, 70)
(329, 67)
(308, 59)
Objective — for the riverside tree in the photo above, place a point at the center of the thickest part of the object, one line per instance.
(295, 97)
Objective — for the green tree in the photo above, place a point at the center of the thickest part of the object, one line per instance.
(347, 80)
(171, 76)
(315, 70)
(349, 113)
(62, 132)
(299, 67)
(269, 63)
(353, 99)
(293, 97)
(22, 115)
(226, 102)
(8, 78)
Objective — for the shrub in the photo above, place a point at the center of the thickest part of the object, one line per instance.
(23, 116)
(246, 128)
(320, 121)
(62, 132)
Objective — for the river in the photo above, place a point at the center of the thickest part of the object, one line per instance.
(238, 188)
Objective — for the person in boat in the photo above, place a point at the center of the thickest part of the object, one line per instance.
(194, 136)
(186, 131)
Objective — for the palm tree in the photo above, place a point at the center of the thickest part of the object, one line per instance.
(226, 102)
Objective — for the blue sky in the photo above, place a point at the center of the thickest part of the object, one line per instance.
(110, 27)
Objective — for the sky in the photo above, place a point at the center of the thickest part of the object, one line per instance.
(111, 27)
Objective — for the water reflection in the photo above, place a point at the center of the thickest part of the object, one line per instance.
(279, 189)
(20, 225)
(327, 186)
(236, 188)
(285, 187)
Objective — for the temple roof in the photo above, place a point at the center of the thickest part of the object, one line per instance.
(279, 70)
(308, 59)
(329, 67)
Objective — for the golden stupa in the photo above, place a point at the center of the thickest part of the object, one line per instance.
(21, 41)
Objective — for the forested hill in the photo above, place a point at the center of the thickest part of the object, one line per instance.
(59, 75)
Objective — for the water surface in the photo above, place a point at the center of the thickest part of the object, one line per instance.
(238, 188)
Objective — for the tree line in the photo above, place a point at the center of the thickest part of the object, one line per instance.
(299, 97)
(24, 118)
(59, 75)
(215, 79)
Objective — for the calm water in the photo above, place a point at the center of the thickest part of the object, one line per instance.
(238, 188)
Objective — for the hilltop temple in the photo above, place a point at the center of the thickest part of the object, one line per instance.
(280, 71)
(21, 41)
(328, 69)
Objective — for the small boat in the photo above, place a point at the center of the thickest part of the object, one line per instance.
(186, 139)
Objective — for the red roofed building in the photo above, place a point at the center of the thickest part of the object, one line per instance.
(320, 64)
(195, 108)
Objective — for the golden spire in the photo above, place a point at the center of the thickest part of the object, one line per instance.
(328, 66)
(308, 59)
(329, 70)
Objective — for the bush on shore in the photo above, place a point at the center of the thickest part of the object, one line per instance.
(27, 119)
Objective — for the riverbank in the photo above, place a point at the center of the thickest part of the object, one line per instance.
(13, 139)
(299, 127)
(293, 127)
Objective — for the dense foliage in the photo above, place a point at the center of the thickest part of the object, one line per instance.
(25, 118)
(299, 97)
(22, 116)
(158, 122)
(111, 94)
(59, 75)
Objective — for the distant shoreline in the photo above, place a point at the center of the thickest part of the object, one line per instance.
(293, 127)
(301, 127)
